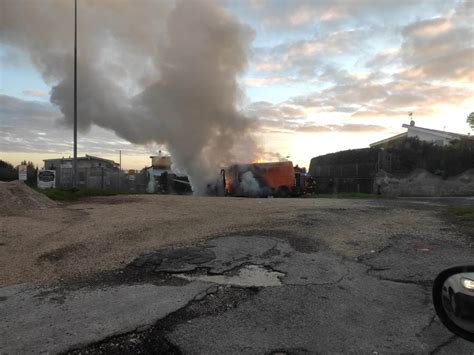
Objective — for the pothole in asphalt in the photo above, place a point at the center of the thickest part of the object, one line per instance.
(248, 276)
(154, 339)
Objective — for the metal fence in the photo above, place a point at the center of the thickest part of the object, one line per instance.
(90, 178)
(356, 177)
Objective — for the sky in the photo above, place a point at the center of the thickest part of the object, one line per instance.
(321, 76)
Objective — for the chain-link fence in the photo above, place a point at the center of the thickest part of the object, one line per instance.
(344, 177)
(102, 178)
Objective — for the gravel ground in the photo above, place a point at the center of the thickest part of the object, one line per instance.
(104, 233)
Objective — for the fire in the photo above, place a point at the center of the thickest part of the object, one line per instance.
(259, 160)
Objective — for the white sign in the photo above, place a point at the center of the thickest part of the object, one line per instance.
(46, 179)
(23, 172)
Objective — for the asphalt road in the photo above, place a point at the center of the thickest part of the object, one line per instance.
(339, 283)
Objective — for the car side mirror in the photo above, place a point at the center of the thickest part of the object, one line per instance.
(453, 299)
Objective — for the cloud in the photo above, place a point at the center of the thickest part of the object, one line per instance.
(269, 81)
(277, 112)
(439, 48)
(267, 64)
(17, 111)
(32, 126)
(427, 28)
(419, 76)
(13, 57)
(431, 48)
(303, 57)
(310, 128)
(386, 57)
(287, 117)
(302, 12)
(309, 12)
(366, 97)
(456, 66)
(343, 128)
(257, 4)
(35, 93)
(275, 118)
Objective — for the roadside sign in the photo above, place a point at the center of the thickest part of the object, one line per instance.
(46, 179)
(23, 172)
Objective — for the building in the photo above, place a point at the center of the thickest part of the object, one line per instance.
(423, 134)
(93, 172)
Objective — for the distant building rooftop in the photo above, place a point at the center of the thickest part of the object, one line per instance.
(86, 157)
(424, 134)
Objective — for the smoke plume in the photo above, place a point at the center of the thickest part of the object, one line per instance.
(152, 71)
(249, 185)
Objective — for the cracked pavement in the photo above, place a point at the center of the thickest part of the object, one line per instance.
(337, 284)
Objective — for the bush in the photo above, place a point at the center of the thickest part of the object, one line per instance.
(450, 160)
(7, 171)
(465, 214)
(351, 156)
(74, 194)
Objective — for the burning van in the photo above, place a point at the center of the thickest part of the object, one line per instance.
(263, 180)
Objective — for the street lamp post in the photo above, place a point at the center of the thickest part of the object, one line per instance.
(74, 164)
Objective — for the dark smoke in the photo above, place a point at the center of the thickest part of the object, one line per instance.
(152, 71)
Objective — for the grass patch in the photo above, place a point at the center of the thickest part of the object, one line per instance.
(465, 214)
(74, 194)
(346, 195)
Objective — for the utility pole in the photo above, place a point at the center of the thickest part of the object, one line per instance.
(120, 170)
(74, 164)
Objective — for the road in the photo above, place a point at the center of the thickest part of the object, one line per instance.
(289, 276)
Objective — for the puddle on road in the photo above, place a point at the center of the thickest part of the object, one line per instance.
(248, 276)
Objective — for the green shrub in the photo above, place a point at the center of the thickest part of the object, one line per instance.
(450, 160)
(465, 214)
(74, 194)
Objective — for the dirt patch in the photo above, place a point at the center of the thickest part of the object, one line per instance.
(305, 245)
(60, 253)
(16, 198)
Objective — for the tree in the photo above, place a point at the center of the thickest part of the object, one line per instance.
(470, 120)
(31, 172)
(7, 171)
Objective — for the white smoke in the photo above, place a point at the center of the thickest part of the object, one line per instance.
(152, 71)
(249, 185)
